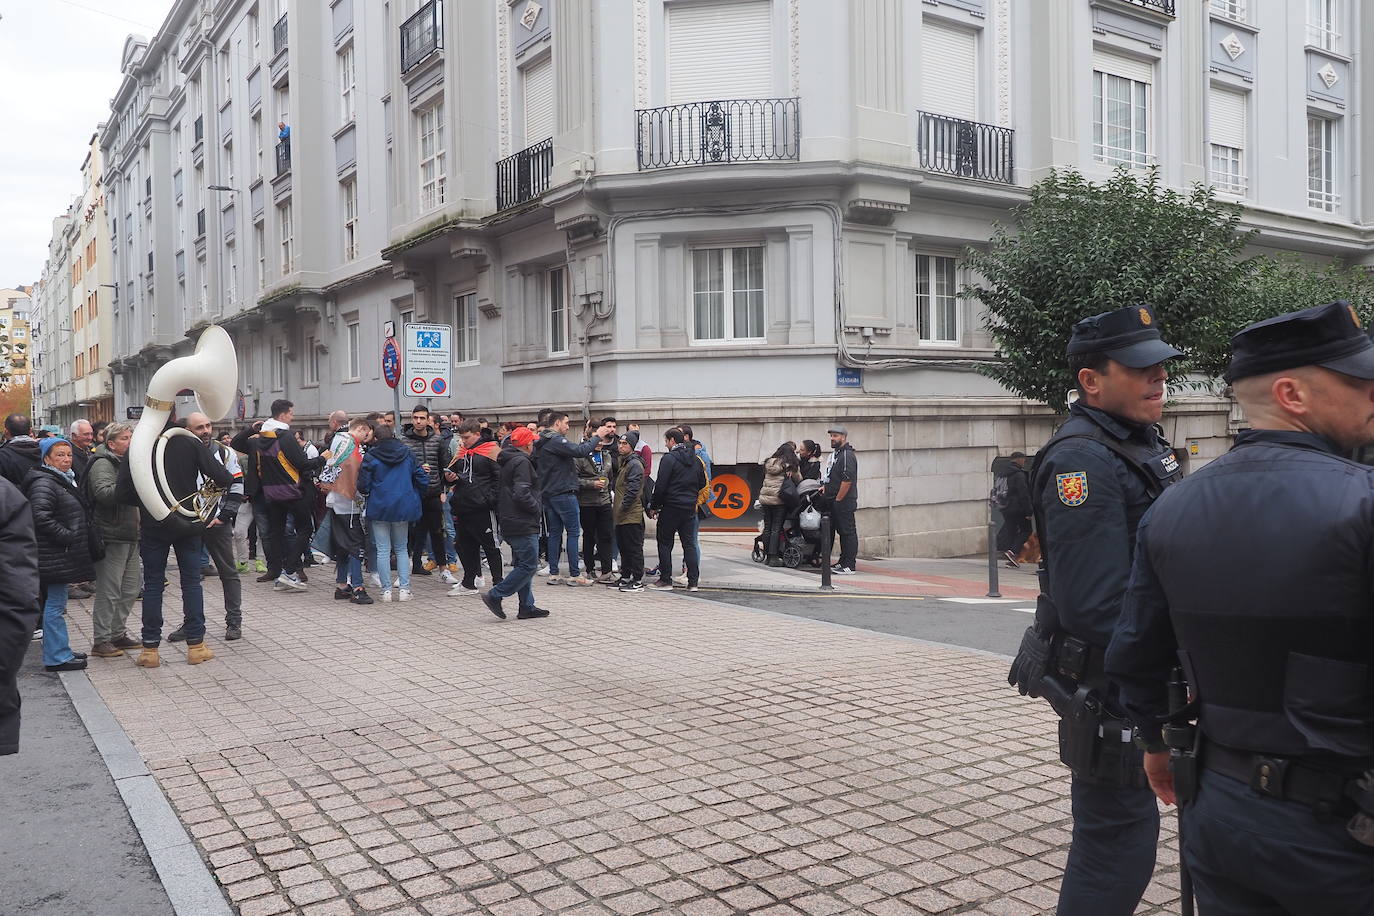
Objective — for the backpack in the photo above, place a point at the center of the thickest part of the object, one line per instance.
(646, 494)
(704, 494)
(999, 497)
(278, 492)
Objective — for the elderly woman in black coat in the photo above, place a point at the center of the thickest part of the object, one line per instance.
(63, 527)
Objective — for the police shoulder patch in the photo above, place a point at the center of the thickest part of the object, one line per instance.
(1073, 487)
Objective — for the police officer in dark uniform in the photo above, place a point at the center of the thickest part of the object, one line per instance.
(1257, 573)
(1090, 485)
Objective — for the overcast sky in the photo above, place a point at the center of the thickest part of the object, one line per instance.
(59, 67)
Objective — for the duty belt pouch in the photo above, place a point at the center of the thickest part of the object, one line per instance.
(1078, 745)
(1119, 761)
(1072, 657)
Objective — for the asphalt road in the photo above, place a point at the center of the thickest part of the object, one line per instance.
(67, 844)
(989, 627)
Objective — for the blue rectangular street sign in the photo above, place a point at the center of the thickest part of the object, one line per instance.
(848, 378)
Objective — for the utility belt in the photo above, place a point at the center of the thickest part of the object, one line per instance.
(1326, 792)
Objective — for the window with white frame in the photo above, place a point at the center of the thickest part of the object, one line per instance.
(430, 125)
(556, 286)
(1321, 25)
(1121, 110)
(284, 232)
(310, 372)
(1231, 9)
(260, 250)
(231, 258)
(727, 293)
(255, 131)
(226, 71)
(465, 330)
(228, 171)
(347, 81)
(937, 299)
(354, 354)
(350, 201)
(1321, 164)
(1227, 139)
(253, 32)
(278, 367)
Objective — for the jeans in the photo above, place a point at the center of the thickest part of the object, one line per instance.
(321, 542)
(243, 527)
(772, 530)
(219, 542)
(679, 523)
(476, 538)
(598, 531)
(563, 514)
(431, 522)
(842, 524)
(1112, 856)
(630, 539)
(283, 553)
(391, 537)
(450, 539)
(117, 576)
(346, 547)
(524, 549)
(56, 646)
(152, 547)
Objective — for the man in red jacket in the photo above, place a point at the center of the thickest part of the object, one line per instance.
(473, 501)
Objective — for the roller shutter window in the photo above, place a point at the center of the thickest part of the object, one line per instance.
(720, 51)
(538, 80)
(949, 70)
(1227, 140)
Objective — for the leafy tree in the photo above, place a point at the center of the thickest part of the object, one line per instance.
(1082, 247)
(1275, 285)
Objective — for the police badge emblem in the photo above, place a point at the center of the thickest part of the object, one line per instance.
(1145, 318)
(1073, 487)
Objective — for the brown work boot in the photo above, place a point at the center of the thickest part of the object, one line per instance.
(126, 642)
(106, 650)
(198, 653)
(148, 658)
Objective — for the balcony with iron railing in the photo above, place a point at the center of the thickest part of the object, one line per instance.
(280, 34)
(1164, 7)
(963, 148)
(422, 35)
(719, 132)
(524, 176)
(283, 157)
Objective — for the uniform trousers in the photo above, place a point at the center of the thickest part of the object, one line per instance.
(1115, 834)
(1256, 856)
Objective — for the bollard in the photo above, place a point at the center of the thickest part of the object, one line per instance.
(992, 561)
(825, 553)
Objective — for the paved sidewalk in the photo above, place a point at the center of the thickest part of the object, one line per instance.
(728, 565)
(645, 754)
(68, 844)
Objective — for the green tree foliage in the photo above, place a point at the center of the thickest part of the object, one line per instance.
(1275, 285)
(1082, 247)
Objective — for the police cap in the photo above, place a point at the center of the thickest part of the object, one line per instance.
(1327, 335)
(1128, 335)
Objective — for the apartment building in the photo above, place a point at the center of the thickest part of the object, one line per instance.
(745, 214)
(16, 306)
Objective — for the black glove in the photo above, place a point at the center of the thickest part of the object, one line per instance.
(1031, 664)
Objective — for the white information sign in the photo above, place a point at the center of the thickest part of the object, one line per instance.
(429, 357)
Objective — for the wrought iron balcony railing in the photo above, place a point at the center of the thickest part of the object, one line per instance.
(1159, 6)
(279, 35)
(708, 133)
(283, 157)
(422, 34)
(524, 176)
(965, 148)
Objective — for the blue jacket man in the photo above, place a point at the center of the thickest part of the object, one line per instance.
(553, 461)
(1256, 574)
(1091, 484)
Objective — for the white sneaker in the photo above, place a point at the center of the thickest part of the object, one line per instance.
(404, 595)
(376, 580)
(479, 582)
(448, 577)
(288, 582)
(615, 565)
(460, 590)
(386, 594)
(545, 570)
(680, 580)
(319, 557)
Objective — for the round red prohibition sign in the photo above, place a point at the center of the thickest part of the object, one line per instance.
(417, 385)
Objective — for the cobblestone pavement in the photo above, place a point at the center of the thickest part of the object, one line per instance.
(631, 754)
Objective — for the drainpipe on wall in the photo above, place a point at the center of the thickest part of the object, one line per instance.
(889, 484)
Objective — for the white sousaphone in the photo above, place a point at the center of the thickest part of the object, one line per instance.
(212, 373)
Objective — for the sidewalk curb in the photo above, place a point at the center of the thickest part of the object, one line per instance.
(788, 589)
(191, 888)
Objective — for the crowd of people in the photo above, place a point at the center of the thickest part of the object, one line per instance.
(384, 502)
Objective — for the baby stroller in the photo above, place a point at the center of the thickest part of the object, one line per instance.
(801, 529)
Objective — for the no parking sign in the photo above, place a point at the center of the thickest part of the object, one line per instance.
(429, 355)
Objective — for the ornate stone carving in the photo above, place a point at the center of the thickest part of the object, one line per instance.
(794, 45)
(503, 74)
(1002, 38)
(1232, 46)
(1329, 76)
(641, 53)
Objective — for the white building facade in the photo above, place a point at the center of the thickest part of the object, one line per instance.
(747, 215)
